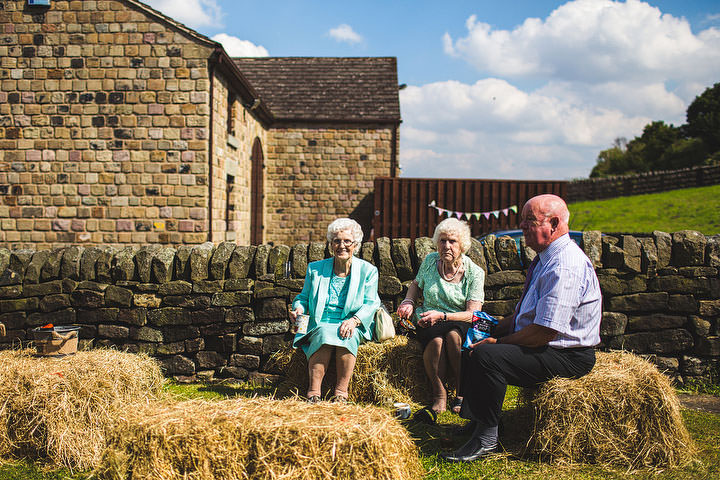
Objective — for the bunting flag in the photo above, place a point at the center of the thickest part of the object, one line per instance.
(470, 215)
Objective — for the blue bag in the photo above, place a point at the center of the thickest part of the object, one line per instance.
(482, 327)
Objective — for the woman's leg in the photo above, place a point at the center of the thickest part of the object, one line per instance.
(453, 348)
(433, 358)
(345, 363)
(317, 366)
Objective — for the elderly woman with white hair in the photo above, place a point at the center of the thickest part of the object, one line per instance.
(340, 295)
(452, 288)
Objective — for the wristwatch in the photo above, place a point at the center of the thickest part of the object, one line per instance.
(444, 317)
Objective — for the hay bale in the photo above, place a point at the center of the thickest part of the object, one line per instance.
(259, 438)
(386, 372)
(624, 413)
(62, 408)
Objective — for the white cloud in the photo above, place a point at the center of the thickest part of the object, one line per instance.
(345, 33)
(492, 129)
(236, 47)
(600, 69)
(592, 41)
(193, 13)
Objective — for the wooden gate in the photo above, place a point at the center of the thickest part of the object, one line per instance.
(412, 207)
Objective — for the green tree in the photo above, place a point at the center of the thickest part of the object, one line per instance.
(703, 118)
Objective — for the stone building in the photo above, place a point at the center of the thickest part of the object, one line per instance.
(120, 126)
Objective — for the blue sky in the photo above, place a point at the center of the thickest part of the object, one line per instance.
(523, 89)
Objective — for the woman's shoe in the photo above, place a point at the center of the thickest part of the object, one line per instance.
(339, 399)
(426, 415)
(313, 399)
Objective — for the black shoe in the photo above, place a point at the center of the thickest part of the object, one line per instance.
(465, 430)
(426, 415)
(471, 451)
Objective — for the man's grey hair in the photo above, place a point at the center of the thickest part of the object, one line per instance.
(342, 224)
(453, 226)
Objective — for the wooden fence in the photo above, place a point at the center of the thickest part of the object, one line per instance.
(402, 205)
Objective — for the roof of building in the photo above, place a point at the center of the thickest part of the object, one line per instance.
(323, 89)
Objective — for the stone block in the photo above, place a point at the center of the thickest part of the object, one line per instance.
(50, 269)
(124, 264)
(273, 343)
(239, 315)
(662, 342)
(693, 366)
(146, 300)
(241, 261)
(168, 316)
(208, 359)
(208, 286)
(639, 302)
(316, 251)
(710, 308)
(663, 243)
(271, 308)
(299, 261)
(231, 299)
(489, 252)
(251, 362)
(220, 260)
(700, 326)
(367, 252)
(176, 287)
(272, 291)
(59, 317)
(12, 291)
(657, 321)
(179, 334)
(499, 307)
(592, 246)
(182, 262)
(423, 247)
(70, 264)
(389, 286)
(178, 365)
(500, 279)
(162, 265)
(133, 316)
(708, 346)
(34, 268)
(193, 345)
(265, 328)
(118, 296)
(613, 324)
(88, 262)
(688, 248)
(115, 332)
(106, 316)
(147, 334)
(13, 320)
(712, 251)
(400, 254)
(235, 284)
(386, 266)
(87, 299)
(700, 286)
(199, 261)
(507, 255)
(250, 345)
(278, 261)
(648, 256)
(208, 316)
(682, 304)
(190, 302)
(261, 261)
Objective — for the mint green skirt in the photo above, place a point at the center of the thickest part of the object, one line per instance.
(327, 333)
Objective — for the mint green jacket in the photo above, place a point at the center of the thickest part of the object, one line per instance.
(362, 298)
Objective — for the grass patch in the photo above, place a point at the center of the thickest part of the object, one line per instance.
(684, 209)
(432, 440)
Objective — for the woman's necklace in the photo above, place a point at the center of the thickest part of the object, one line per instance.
(449, 279)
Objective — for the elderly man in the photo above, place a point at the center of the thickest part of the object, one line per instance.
(551, 334)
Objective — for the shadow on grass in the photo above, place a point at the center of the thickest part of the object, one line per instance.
(238, 390)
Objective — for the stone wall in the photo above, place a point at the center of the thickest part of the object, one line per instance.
(650, 182)
(221, 310)
(316, 175)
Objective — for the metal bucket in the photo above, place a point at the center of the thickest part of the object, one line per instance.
(56, 341)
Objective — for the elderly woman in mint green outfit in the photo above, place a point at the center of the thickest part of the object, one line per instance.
(340, 295)
(452, 287)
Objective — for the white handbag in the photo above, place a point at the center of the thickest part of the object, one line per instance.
(384, 327)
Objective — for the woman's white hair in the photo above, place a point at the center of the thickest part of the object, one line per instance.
(453, 226)
(342, 224)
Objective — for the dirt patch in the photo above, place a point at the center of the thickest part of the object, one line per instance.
(701, 402)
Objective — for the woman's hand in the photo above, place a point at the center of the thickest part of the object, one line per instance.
(430, 318)
(347, 328)
(405, 310)
(295, 313)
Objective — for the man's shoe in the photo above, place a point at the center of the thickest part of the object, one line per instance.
(471, 451)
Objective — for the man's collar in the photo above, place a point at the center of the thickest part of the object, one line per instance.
(554, 247)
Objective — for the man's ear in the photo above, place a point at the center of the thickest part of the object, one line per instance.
(554, 222)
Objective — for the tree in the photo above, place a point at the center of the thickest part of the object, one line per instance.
(703, 118)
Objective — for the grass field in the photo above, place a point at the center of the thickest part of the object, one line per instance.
(685, 209)
(432, 440)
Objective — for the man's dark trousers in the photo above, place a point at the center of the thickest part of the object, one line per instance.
(490, 368)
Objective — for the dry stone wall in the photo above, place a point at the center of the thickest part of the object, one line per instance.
(221, 310)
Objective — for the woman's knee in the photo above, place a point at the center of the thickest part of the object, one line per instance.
(453, 337)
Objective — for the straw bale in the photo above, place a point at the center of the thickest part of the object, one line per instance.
(259, 438)
(62, 408)
(624, 413)
(387, 372)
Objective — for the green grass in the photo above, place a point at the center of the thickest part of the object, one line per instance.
(432, 440)
(685, 209)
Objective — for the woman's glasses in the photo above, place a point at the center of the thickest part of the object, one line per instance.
(345, 242)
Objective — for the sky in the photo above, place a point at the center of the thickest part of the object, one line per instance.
(517, 89)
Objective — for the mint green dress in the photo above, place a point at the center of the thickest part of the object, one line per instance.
(327, 331)
(443, 296)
